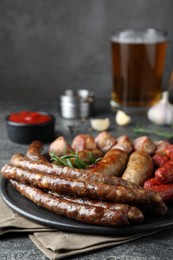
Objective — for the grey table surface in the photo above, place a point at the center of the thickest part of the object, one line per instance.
(19, 246)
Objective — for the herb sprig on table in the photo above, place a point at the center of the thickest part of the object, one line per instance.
(161, 133)
(72, 160)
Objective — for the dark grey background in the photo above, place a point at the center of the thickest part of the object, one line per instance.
(50, 45)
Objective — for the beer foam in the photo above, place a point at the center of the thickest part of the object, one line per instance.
(131, 36)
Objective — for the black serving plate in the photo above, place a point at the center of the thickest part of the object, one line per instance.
(30, 210)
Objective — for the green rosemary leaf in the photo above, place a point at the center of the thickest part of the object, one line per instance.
(69, 163)
(53, 157)
(82, 164)
(61, 162)
(79, 163)
(65, 160)
(91, 158)
(163, 134)
(68, 156)
(98, 160)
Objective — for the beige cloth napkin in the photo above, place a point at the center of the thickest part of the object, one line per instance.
(10, 221)
(53, 243)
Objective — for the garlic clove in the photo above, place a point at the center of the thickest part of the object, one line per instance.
(162, 112)
(122, 118)
(100, 124)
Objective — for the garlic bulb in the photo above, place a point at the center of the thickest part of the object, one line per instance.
(162, 112)
(122, 118)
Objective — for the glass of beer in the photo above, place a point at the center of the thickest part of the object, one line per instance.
(138, 61)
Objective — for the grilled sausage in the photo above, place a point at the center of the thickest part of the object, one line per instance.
(124, 144)
(150, 182)
(34, 152)
(134, 215)
(160, 146)
(144, 143)
(169, 151)
(112, 164)
(164, 190)
(92, 190)
(105, 141)
(164, 174)
(60, 147)
(82, 142)
(81, 212)
(159, 160)
(80, 174)
(139, 168)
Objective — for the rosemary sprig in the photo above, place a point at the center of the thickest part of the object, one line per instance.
(164, 134)
(78, 162)
(72, 160)
(63, 160)
(93, 160)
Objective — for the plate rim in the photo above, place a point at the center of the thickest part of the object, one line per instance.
(73, 225)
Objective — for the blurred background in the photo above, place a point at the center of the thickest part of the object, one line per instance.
(47, 46)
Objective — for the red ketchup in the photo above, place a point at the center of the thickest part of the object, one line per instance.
(29, 117)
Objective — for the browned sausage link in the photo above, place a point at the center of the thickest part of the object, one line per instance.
(112, 164)
(92, 190)
(139, 168)
(34, 151)
(124, 144)
(134, 215)
(85, 213)
(160, 146)
(82, 142)
(83, 175)
(144, 143)
(159, 160)
(60, 147)
(105, 141)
